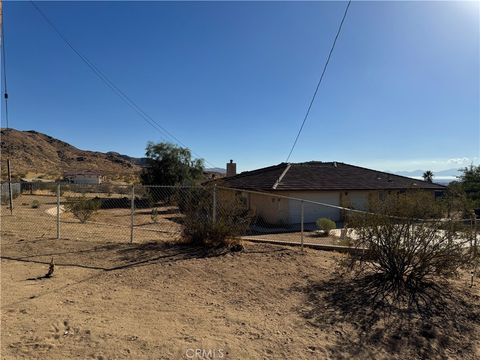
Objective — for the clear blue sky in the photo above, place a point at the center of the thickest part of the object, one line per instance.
(233, 80)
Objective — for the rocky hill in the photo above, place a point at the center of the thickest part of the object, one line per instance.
(36, 155)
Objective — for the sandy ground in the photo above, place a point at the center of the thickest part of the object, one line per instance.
(309, 237)
(114, 224)
(158, 301)
(159, 309)
(106, 224)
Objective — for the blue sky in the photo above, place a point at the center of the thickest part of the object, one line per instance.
(233, 80)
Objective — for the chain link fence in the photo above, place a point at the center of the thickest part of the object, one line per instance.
(117, 213)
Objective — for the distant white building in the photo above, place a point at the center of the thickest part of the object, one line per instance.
(84, 177)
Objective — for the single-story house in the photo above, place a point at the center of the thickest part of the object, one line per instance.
(84, 177)
(333, 183)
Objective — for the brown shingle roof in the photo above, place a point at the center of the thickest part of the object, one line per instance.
(315, 175)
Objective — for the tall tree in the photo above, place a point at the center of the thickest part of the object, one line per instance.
(170, 164)
(456, 201)
(428, 176)
(470, 180)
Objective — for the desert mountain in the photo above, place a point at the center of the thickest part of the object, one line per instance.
(34, 154)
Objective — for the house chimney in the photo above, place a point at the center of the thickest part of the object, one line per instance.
(231, 168)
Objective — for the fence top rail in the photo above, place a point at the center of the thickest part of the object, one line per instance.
(39, 183)
(172, 186)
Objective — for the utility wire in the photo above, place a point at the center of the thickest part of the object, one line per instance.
(110, 84)
(4, 73)
(319, 81)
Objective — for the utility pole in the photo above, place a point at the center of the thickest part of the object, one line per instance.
(5, 98)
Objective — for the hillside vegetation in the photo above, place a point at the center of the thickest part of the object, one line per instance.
(34, 154)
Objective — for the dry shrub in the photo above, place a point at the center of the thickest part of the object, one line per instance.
(398, 303)
(395, 245)
(231, 220)
(82, 207)
(154, 215)
(442, 324)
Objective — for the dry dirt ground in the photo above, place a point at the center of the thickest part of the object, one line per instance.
(106, 225)
(163, 301)
(114, 224)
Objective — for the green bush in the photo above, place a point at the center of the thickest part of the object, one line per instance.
(326, 225)
(35, 204)
(82, 207)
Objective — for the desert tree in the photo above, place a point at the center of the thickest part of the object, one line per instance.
(170, 164)
(456, 202)
(470, 182)
(428, 176)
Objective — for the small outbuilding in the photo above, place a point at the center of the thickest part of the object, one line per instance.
(84, 177)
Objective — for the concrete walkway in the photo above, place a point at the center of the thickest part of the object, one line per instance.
(53, 211)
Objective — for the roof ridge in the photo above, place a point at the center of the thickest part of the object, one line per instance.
(274, 187)
(391, 174)
(256, 171)
(324, 176)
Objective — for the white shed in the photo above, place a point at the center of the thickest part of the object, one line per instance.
(84, 177)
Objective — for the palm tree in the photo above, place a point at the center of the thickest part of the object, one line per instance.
(428, 176)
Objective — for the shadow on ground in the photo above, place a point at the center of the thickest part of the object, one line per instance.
(441, 322)
(112, 256)
(158, 251)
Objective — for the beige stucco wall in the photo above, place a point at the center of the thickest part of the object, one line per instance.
(272, 209)
(312, 212)
(356, 199)
(276, 210)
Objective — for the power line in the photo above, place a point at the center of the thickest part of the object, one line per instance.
(4, 73)
(111, 85)
(319, 81)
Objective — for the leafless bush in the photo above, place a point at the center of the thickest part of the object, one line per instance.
(154, 215)
(406, 252)
(216, 225)
(82, 207)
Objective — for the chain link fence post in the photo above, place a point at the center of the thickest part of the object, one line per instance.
(214, 207)
(132, 212)
(10, 192)
(301, 222)
(475, 247)
(475, 244)
(58, 211)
